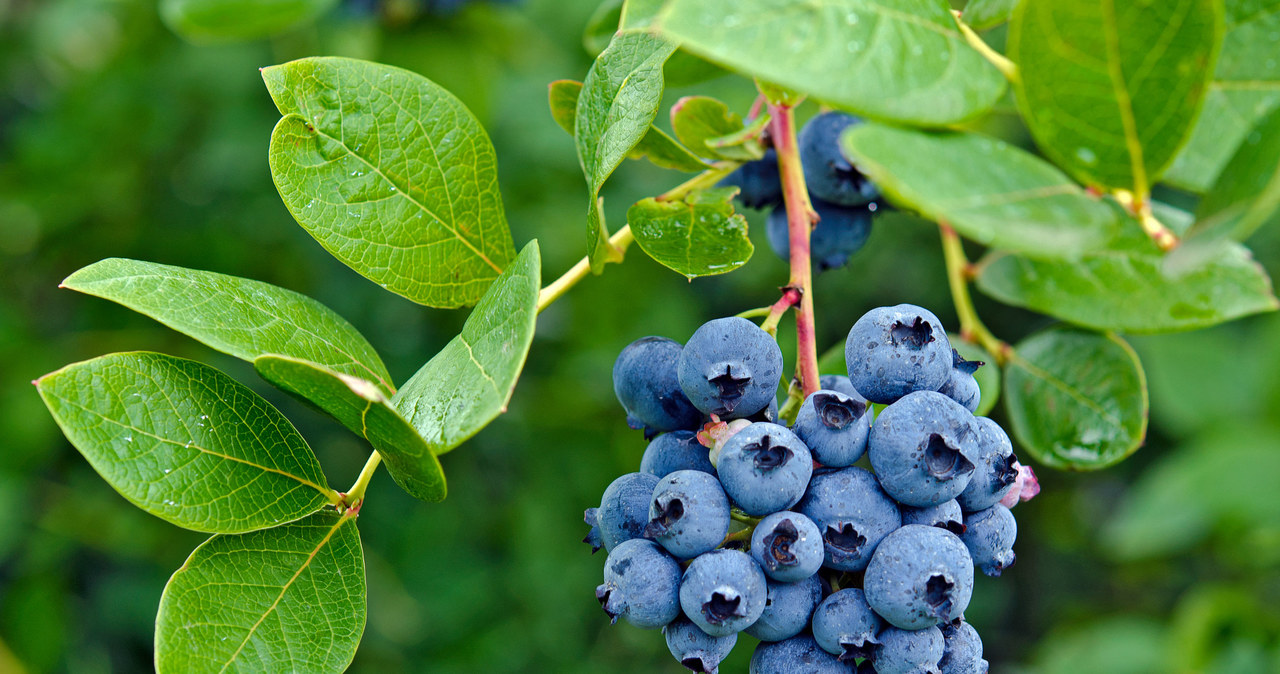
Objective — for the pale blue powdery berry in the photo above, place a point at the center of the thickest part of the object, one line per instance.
(788, 546)
(834, 426)
(730, 368)
(723, 592)
(797, 655)
(624, 508)
(764, 468)
(946, 515)
(852, 512)
(688, 513)
(909, 651)
(641, 584)
(845, 625)
(893, 351)
(677, 450)
(962, 652)
(919, 576)
(695, 649)
(994, 472)
(924, 448)
(989, 535)
(787, 609)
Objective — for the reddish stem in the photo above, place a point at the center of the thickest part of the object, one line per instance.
(790, 297)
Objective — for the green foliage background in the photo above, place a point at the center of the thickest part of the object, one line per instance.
(119, 139)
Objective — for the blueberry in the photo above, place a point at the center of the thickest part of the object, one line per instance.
(989, 535)
(730, 368)
(834, 426)
(723, 592)
(696, 649)
(797, 655)
(845, 625)
(852, 512)
(593, 536)
(641, 584)
(787, 609)
(946, 515)
(962, 652)
(841, 231)
(646, 383)
(960, 385)
(758, 181)
(829, 175)
(909, 652)
(919, 577)
(892, 351)
(624, 508)
(677, 450)
(764, 468)
(840, 384)
(924, 448)
(788, 546)
(994, 473)
(688, 513)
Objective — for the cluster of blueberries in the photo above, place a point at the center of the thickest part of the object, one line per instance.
(748, 525)
(843, 198)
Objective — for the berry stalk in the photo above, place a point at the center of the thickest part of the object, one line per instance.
(800, 220)
(958, 276)
(354, 498)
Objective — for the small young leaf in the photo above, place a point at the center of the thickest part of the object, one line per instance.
(185, 442)
(1110, 90)
(619, 100)
(562, 97)
(700, 119)
(1077, 400)
(290, 598)
(988, 190)
(392, 175)
(1125, 288)
(238, 316)
(659, 148)
(987, 14)
(366, 410)
(898, 60)
(228, 20)
(699, 236)
(470, 381)
(1245, 86)
(988, 375)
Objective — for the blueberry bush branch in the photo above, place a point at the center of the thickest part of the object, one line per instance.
(959, 275)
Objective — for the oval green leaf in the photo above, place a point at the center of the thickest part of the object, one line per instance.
(1245, 86)
(988, 190)
(988, 376)
(698, 120)
(987, 14)
(698, 236)
(468, 384)
(185, 442)
(238, 316)
(228, 20)
(290, 598)
(1077, 400)
(897, 60)
(1110, 89)
(392, 175)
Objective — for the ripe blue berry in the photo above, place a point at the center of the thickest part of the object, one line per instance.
(834, 426)
(892, 351)
(989, 535)
(787, 609)
(688, 513)
(723, 592)
(797, 655)
(641, 584)
(788, 546)
(764, 468)
(730, 368)
(845, 625)
(696, 649)
(841, 231)
(840, 384)
(624, 508)
(852, 512)
(645, 381)
(677, 450)
(758, 181)
(946, 515)
(909, 651)
(919, 577)
(593, 536)
(962, 652)
(829, 175)
(960, 385)
(994, 473)
(924, 448)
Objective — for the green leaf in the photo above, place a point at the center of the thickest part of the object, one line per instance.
(987, 14)
(1076, 399)
(562, 96)
(640, 13)
(238, 316)
(392, 175)
(1125, 287)
(988, 190)
(228, 20)
(988, 375)
(366, 410)
(697, 120)
(290, 598)
(620, 98)
(186, 442)
(898, 60)
(659, 148)
(470, 381)
(1245, 86)
(1110, 89)
(699, 236)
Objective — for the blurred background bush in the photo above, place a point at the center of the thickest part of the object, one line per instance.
(117, 138)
